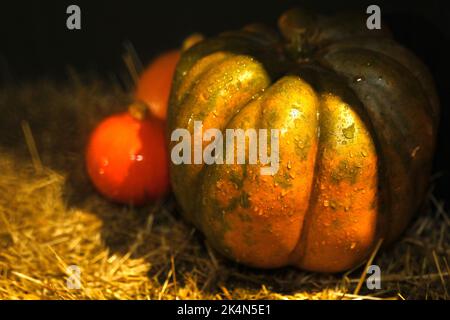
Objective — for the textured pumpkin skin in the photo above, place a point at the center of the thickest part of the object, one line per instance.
(358, 115)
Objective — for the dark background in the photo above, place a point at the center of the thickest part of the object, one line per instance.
(35, 43)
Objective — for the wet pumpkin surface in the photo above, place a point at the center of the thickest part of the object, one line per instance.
(357, 115)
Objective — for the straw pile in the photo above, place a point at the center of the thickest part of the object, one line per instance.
(51, 218)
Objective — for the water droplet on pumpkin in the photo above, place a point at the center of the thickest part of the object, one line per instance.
(414, 152)
(326, 203)
(333, 204)
(353, 245)
(364, 153)
(289, 166)
(101, 171)
(349, 132)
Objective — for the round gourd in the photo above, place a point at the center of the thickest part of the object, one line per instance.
(126, 157)
(153, 86)
(358, 116)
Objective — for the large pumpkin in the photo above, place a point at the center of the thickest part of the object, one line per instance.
(358, 115)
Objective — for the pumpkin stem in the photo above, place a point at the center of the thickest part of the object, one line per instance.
(138, 110)
(298, 28)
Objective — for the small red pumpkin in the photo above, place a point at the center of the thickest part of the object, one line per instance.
(126, 157)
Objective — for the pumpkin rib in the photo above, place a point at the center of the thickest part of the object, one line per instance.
(388, 47)
(197, 72)
(398, 156)
(198, 51)
(278, 218)
(206, 75)
(347, 25)
(259, 214)
(342, 226)
(209, 204)
(203, 173)
(358, 51)
(307, 32)
(325, 82)
(218, 82)
(232, 42)
(393, 125)
(202, 77)
(384, 200)
(299, 251)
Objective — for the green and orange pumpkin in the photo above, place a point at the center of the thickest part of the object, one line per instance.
(358, 115)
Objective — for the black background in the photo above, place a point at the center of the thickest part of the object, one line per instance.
(292, 309)
(35, 43)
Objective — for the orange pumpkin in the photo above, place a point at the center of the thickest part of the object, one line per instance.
(154, 84)
(358, 116)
